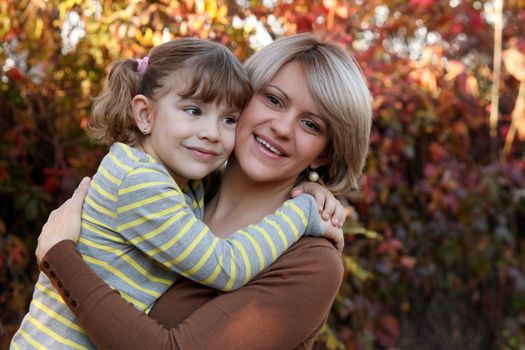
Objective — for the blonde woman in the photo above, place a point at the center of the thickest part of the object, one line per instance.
(310, 112)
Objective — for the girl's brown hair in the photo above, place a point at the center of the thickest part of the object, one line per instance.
(216, 75)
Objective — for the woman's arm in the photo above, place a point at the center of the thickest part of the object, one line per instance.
(282, 309)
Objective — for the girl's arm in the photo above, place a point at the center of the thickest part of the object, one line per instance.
(282, 309)
(153, 215)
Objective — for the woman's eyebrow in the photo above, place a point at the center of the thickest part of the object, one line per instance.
(288, 99)
(281, 91)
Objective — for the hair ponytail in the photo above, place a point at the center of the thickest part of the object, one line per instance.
(111, 120)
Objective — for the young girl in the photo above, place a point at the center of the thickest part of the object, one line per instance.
(170, 118)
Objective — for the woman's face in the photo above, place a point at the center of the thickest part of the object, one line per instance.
(281, 132)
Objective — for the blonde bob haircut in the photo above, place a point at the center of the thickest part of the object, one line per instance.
(215, 75)
(340, 91)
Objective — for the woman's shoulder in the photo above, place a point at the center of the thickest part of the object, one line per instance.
(316, 256)
(320, 244)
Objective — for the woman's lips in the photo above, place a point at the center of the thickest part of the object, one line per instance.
(269, 147)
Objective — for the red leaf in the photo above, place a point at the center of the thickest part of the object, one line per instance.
(3, 174)
(456, 28)
(420, 4)
(14, 74)
(387, 331)
(437, 152)
(54, 172)
(50, 184)
(475, 20)
(304, 24)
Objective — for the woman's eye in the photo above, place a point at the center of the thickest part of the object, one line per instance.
(193, 111)
(230, 120)
(311, 125)
(273, 100)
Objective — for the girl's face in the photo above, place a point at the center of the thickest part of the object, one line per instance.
(189, 137)
(281, 131)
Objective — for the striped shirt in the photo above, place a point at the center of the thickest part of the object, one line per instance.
(139, 234)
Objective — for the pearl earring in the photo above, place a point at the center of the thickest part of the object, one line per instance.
(313, 175)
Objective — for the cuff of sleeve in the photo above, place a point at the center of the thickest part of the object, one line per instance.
(62, 264)
(308, 205)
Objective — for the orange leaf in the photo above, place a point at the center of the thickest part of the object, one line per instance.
(408, 261)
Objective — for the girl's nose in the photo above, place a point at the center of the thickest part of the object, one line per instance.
(208, 131)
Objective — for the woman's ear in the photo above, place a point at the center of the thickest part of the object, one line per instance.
(322, 159)
(142, 113)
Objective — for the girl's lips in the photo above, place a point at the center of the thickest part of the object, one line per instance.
(203, 153)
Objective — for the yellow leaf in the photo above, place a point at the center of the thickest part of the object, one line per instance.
(200, 6)
(359, 230)
(454, 68)
(211, 8)
(39, 25)
(356, 270)
(122, 30)
(332, 343)
(472, 86)
(146, 38)
(157, 38)
(514, 61)
(222, 12)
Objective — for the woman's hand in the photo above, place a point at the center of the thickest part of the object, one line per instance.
(64, 222)
(329, 207)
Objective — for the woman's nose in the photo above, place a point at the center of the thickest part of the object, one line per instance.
(283, 125)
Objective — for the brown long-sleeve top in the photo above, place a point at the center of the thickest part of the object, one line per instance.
(283, 308)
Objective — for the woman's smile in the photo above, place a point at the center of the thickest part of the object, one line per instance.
(269, 146)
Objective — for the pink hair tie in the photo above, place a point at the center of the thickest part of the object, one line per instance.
(142, 65)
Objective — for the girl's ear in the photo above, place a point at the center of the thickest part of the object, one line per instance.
(142, 113)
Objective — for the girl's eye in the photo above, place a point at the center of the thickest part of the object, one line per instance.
(311, 125)
(193, 111)
(230, 120)
(273, 100)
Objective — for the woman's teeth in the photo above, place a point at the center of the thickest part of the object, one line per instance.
(268, 146)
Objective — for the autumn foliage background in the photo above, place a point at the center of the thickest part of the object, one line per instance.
(435, 252)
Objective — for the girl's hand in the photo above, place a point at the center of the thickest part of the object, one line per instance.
(335, 235)
(329, 207)
(64, 222)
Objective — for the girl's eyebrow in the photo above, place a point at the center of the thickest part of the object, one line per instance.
(231, 110)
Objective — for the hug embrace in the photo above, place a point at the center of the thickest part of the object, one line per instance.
(211, 223)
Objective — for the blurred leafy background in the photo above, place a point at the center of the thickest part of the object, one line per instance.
(435, 253)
